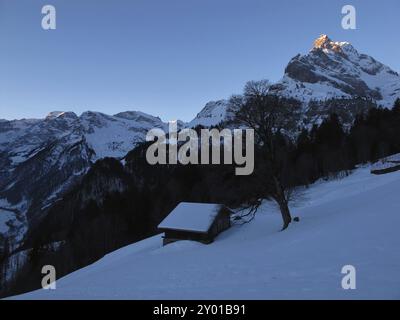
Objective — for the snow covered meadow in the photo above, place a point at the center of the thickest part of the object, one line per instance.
(351, 221)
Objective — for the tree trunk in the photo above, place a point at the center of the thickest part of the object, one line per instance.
(280, 198)
(286, 217)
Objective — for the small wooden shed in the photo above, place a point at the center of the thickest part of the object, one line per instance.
(195, 221)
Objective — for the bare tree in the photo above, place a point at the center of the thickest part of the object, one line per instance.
(269, 116)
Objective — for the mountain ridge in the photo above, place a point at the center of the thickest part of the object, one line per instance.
(330, 70)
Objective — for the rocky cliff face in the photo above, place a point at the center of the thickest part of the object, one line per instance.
(331, 70)
(337, 70)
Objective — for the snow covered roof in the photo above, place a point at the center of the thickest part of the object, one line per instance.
(189, 216)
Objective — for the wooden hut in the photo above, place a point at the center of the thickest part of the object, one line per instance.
(195, 221)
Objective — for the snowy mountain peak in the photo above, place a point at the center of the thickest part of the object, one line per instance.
(330, 70)
(337, 70)
(54, 114)
(212, 114)
(137, 116)
(325, 43)
(61, 114)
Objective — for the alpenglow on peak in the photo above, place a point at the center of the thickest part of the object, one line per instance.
(324, 42)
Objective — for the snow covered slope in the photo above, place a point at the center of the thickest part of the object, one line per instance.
(212, 114)
(353, 221)
(387, 165)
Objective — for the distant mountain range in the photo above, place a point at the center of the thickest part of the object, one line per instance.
(41, 159)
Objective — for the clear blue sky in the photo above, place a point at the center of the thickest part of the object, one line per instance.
(167, 57)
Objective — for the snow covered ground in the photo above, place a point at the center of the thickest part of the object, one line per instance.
(350, 221)
(387, 163)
